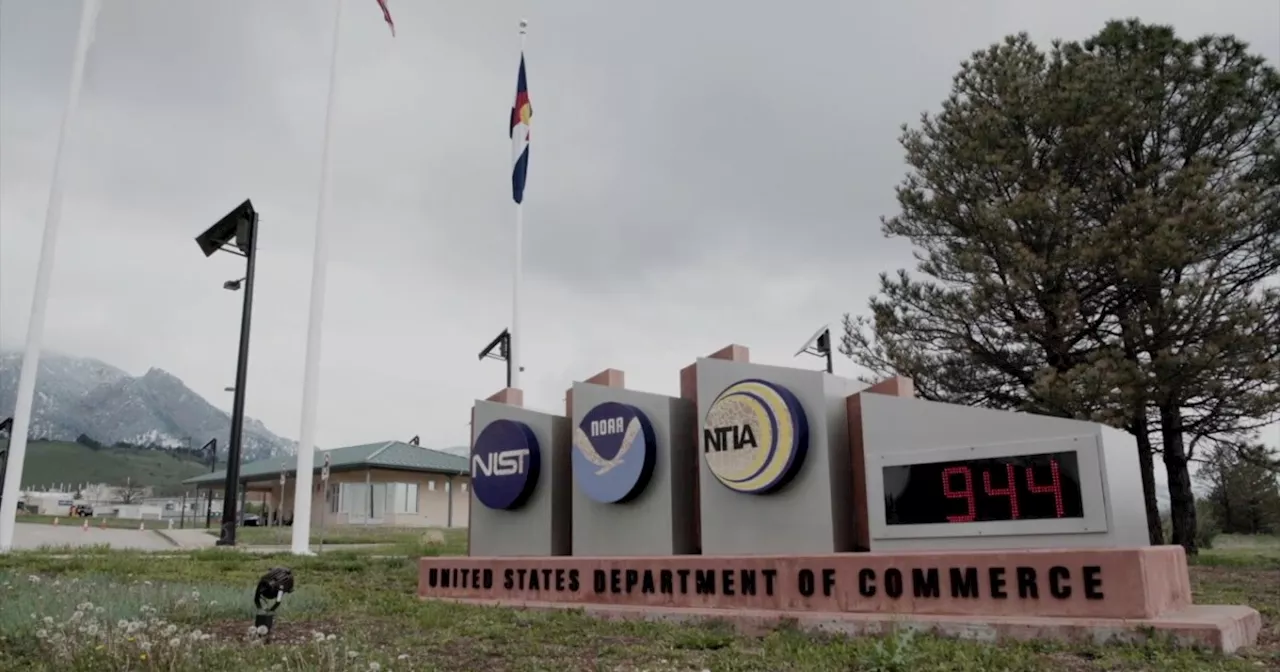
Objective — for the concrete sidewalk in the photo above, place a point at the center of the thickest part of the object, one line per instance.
(29, 536)
(189, 540)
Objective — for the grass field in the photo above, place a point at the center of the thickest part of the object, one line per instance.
(102, 610)
(51, 462)
(404, 538)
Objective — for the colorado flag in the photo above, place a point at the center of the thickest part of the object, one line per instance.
(521, 116)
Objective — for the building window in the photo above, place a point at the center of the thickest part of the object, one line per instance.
(333, 495)
(431, 486)
(403, 497)
(464, 487)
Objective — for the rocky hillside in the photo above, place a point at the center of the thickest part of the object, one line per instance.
(78, 395)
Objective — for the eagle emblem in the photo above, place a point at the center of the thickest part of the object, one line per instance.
(603, 466)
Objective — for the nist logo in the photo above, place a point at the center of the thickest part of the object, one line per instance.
(505, 462)
(755, 436)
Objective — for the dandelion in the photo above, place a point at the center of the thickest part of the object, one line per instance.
(175, 643)
(122, 624)
(331, 637)
(317, 635)
(374, 667)
(77, 616)
(48, 620)
(169, 630)
(33, 578)
(403, 656)
(353, 654)
(195, 635)
(261, 630)
(195, 595)
(42, 634)
(145, 646)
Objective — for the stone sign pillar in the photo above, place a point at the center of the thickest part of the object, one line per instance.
(634, 469)
(520, 480)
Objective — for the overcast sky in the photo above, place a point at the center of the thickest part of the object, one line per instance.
(702, 173)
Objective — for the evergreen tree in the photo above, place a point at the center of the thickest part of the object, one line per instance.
(1093, 225)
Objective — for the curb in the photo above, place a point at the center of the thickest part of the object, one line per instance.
(166, 537)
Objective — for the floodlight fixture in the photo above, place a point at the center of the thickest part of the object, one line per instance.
(232, 285)
(819, 345)
(415, 441)
(503, 344)
(236, 228)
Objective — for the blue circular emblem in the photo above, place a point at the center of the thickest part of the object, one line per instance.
(613, 452)
(504, 464)
(755, 436)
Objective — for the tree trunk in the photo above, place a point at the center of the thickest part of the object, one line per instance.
(1147, 465)
(1182, 499)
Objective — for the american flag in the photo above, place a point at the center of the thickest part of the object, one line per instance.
(386, 14)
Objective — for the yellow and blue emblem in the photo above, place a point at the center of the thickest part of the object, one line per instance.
(755, 436)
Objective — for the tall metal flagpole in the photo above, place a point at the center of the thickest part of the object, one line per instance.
(319, 268)
(517, 334)
(40, 298)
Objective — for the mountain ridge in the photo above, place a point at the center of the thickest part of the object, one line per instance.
(85, 396)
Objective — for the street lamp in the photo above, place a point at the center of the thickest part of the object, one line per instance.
(237, 233)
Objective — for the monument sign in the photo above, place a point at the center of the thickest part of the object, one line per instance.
(765, 493)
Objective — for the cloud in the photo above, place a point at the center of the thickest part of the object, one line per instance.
(701, 174)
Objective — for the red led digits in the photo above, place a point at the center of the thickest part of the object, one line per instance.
(1055, 486)
(1010, 490)
(965, 494)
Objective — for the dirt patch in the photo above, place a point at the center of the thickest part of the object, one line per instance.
(285, 633)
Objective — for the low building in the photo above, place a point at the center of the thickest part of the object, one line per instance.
(393, 484)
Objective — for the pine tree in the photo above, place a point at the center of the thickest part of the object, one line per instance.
(1094, 225)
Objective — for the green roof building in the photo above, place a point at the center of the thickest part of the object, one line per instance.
(391, 483)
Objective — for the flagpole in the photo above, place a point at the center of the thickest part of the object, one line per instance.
(319, 268)
(40, 298)
(517, 335)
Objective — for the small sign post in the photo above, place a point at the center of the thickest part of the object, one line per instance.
(284, 471)
(324, 506)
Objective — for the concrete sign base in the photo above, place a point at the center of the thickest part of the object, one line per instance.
(1095, 595)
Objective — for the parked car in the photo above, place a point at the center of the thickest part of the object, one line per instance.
(82, 511)
(251, 520)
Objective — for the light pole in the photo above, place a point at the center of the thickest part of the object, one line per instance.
(237, 234)
(212, 447)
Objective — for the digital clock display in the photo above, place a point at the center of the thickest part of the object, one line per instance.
(1021, 487)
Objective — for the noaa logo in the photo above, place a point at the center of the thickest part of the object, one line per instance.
(755, 436)
(613, 452)
(504, 464)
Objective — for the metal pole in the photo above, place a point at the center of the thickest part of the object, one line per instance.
(449, 519)
(229, 518)
(182, 515)
(830, 368)
(508, 349)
